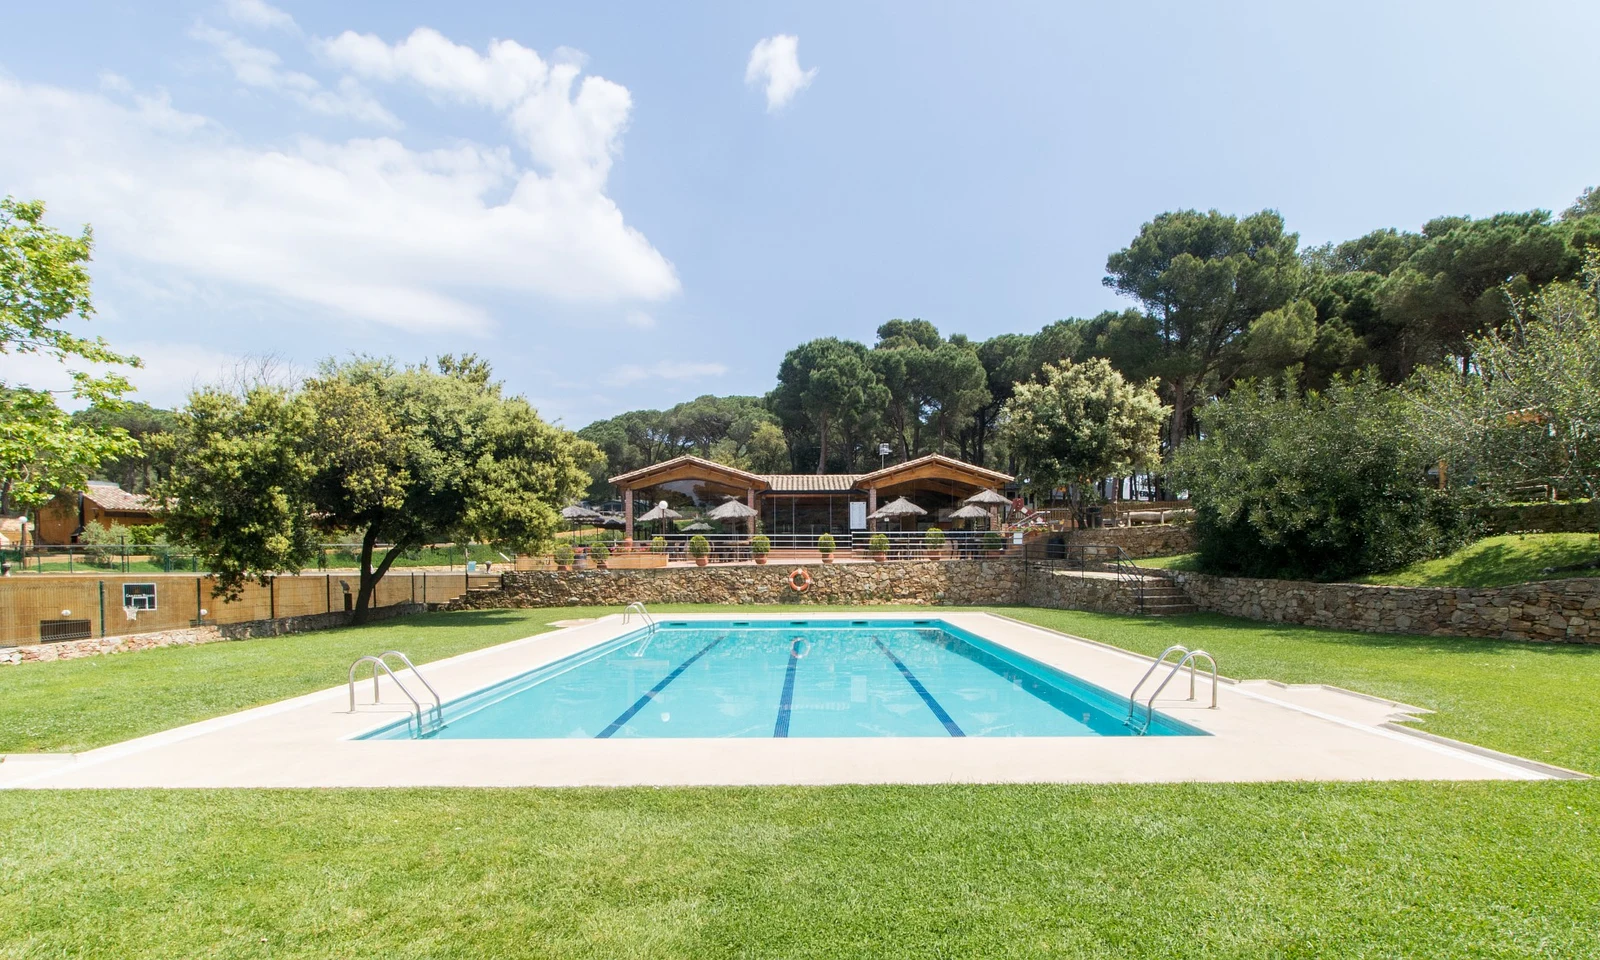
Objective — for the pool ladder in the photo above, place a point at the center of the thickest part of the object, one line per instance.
(1187, 660)
(649, 623)
(381, 662)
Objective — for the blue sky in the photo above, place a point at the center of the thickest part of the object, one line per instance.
(604, 204)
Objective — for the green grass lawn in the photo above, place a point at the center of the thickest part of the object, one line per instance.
(1280, 870)
(1490, 562)
(1498, 561)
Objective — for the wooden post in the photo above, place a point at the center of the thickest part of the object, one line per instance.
(872, 507)
(627, 514)
(750, 501)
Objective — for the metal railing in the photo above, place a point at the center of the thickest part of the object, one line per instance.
(649, 624)
(1187, 659)
(379, 662)
(1059, 553)
(857, 544)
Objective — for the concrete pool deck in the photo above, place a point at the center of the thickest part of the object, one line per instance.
(1261, 731)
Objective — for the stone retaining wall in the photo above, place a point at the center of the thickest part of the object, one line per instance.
(1553, 610)
(1542, 518)
(1154, 540)
(1072, 590)
(958, 582)
(193, 636)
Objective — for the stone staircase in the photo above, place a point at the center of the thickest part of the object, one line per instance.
(1164, 598)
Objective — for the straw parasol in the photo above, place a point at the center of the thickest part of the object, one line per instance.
(899, 507)
(580, 516)
(988, 498)
(732, 511)
(699, 526)
(662, 512)
(969, 512)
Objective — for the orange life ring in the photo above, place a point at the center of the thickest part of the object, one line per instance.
(799, 580)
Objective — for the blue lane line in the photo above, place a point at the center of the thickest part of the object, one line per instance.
(650, 694)
(786, 702)
(911, 678)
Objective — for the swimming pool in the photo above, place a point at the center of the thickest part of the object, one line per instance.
(789, 678)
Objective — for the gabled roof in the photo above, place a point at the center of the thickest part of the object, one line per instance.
(934, 463)
(117, 500)
(688, 468)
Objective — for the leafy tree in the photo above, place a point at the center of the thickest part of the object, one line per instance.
(826, 386)
(141, 469)
(44, 285)
(1325, 485)
(1203, 279)
(402, 456)
(1526, 411)
(1081, 423)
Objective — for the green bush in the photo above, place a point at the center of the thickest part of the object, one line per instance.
(563, 554)
(879, 544)
(1326, 486)
(934, 539)
(826, 544)
(600, 553)
(993, 542)
(760, 545)
(148, 535)
(699, 547)
(658, 544)
(103, 544)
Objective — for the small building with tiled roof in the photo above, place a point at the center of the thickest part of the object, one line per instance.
(812, 503)
(63, 519)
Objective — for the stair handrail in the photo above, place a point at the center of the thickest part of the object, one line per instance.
(1188, 659)
(649, 622)
(438, 702)
(377, 664)
(1133, 698)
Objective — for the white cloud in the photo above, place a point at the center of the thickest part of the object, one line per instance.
(573, 136)
(366, 227)
(170, 371)
(775, 62)
(257, 13)
(628, 373)
(639, 320)
(262, 68)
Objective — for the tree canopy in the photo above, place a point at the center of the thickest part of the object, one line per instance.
(44, 288)
(398, 456)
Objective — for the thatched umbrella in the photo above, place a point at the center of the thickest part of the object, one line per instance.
(580, 516)
(969, 512)
(699, 526)
(990, 499)
(732, 510)
(897, 509)
(662, 512)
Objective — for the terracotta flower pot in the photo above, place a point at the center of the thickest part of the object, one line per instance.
(563, 567)
(880, 557)
(827, 558)
(761, 559)
(701, 561)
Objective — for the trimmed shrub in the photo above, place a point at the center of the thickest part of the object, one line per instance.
(1326, 486)
(826, 544)
(600, 553)
(562, 554)
(879, 544)
(658, 544)
(934, 539)
(993, 542)
(699, 547)
(760, 545)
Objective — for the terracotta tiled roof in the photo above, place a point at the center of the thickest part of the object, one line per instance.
(112, 497)
(811, 482)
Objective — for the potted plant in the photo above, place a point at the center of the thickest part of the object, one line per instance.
(933, 540)
(658, 544)
(699, 549)
(993, 542)
(563, 556)
(600, 553)
(760, 546)
(878, 546)
(826, 546)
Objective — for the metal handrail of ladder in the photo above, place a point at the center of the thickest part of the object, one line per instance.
(438, 702)
(649, 622)
(1188, 659)
(416, 705)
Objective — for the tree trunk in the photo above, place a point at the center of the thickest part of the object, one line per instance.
(369, 576)
(822, 443)
(1176, 429)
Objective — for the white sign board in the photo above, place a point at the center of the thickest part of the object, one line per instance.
(858, 516)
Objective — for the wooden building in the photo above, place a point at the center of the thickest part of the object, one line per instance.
(813, 503)
(63, 519)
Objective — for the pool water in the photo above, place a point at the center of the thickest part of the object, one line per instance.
(775, 678)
